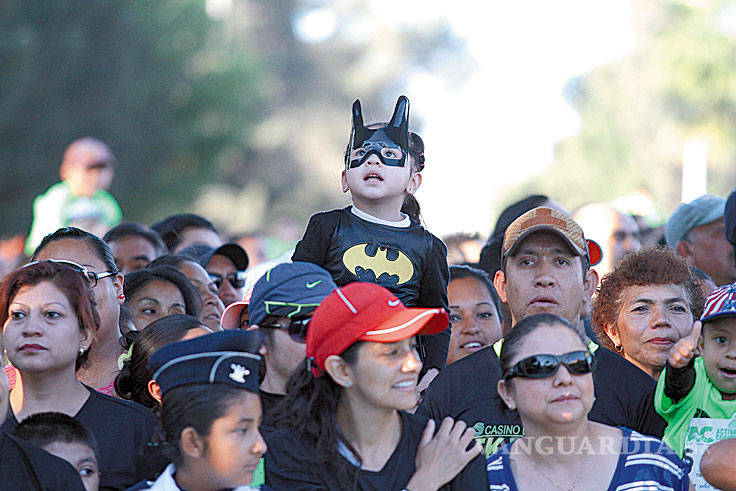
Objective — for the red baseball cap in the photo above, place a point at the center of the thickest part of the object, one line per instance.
(365, 312)
(231, 316)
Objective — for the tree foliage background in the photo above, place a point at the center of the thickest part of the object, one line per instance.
(637, 113)
(229, 113)
(223, 112)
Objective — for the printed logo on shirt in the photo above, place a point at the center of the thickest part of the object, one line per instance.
(380, 260)
(491, 437)
(239, 372)
(701, 433)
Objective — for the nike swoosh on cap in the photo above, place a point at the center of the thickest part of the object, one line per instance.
(313, 284)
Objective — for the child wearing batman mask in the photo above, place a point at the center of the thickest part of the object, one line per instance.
(379, 238)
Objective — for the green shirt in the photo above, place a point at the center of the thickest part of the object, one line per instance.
(60, 207)
(703, 401)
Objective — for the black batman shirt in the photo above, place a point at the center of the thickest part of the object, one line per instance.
(409, 261)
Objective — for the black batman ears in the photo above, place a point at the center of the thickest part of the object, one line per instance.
(357, 115)
(400, 119)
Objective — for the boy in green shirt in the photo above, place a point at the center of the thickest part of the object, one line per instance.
(81, 198)
(701, 386)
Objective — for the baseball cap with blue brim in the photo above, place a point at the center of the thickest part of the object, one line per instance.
(290, 290)
(720, 303)
(701, 211)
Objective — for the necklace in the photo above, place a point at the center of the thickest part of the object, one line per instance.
(572, 485)
(574, 482)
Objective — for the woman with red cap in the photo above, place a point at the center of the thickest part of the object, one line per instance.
(344, 425)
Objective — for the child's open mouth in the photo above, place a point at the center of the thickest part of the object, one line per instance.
(729, 372)
(373, 176)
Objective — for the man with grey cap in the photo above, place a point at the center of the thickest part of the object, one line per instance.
(281, 306)
(697, 232)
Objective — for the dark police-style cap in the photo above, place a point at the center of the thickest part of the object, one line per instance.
(289, 290)
(227, 357)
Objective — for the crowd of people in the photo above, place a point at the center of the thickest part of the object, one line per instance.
(582, 350)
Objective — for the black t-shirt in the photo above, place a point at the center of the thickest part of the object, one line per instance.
(624, 395)
(409, 261)
(121, 428)
(466, 390)
(269, 401)
(24, 466)
(286, 469)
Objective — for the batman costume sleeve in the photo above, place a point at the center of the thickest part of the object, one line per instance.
(316, 241)
(432, 293)
(409, 261)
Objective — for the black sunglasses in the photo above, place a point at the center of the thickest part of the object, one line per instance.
(92, 277)
(237, 280)
(542, 366)
(297, 328)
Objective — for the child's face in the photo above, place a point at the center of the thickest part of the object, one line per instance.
(82, 457)
(234, 445)
(718, 346)
(374, 181)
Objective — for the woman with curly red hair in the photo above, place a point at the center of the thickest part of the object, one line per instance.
(646, 305)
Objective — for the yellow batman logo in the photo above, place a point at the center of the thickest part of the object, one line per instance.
(357, 257)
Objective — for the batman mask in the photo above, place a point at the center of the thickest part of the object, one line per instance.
(389, 143)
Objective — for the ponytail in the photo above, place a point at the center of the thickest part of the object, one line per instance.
(411, 207)
(310, 410)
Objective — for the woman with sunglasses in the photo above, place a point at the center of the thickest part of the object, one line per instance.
(344, 422)
(91, 256)
(49, 321)
(547, 378)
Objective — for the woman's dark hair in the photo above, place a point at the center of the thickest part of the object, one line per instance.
(170, 228)
(99, 246)
(69, 281)
(524, 328)
(416, 150)
(132, 381)
(458, 272)
(196, 406)
(128, 229)
(136, 280)
(173, 260)
(659, 265)
(310, 411)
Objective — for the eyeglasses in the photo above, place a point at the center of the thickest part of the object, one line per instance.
(237, 279)
(542, 366)
(297, 328)
(91, 276)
